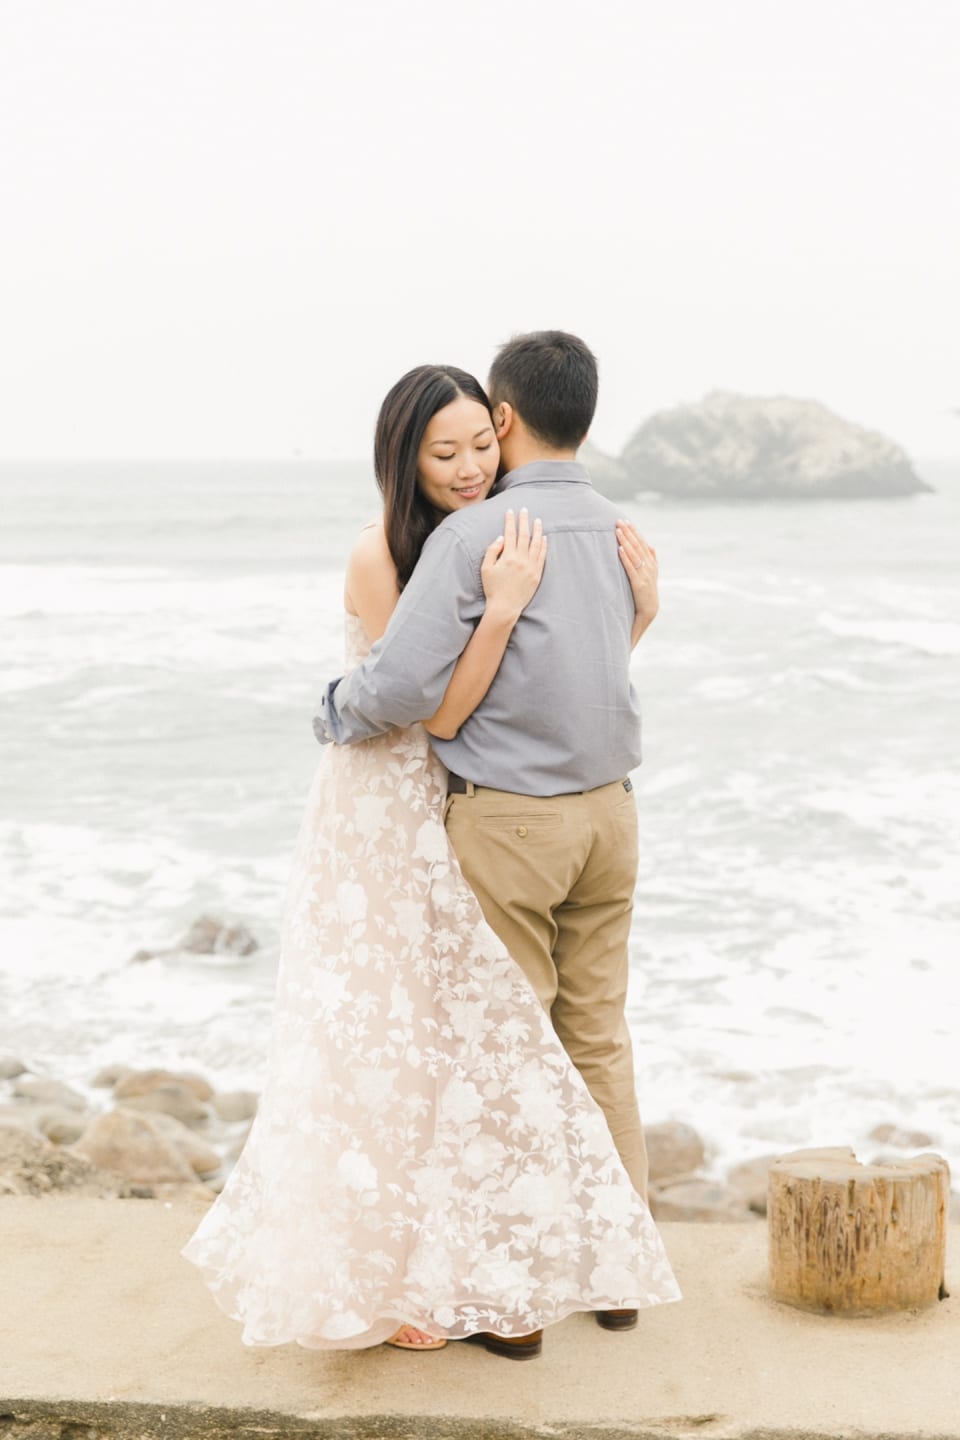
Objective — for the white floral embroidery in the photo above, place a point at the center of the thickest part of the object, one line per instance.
(424, 1149)
(482, 1156)
(352, 900)
(372, 816)
(432, 843)
(356, 1171)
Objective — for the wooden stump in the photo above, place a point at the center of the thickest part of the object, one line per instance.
(856, 1239)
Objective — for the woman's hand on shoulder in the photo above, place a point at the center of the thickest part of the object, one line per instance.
(640, 562)
(513, 566)
(371, 589)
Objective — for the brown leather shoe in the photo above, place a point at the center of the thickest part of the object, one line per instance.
(616, 1319)
(511, 1347)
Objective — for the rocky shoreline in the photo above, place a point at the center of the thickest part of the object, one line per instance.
(159, 1133)
(168, 1134)
(164, 1133)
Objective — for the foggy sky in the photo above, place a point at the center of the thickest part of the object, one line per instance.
(231, 224)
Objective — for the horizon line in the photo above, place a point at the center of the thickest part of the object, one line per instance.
(8, 461)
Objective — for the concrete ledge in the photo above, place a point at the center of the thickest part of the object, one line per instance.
(106, 1334)
(144, 1422)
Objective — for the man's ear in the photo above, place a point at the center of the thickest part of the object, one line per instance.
(503, 418)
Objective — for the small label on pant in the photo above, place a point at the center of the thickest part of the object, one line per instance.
(628, 785)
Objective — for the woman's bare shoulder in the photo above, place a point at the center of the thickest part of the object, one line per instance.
(370, 547)
(373, 530)
(371, 589)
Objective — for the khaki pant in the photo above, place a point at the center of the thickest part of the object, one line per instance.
(555, 879)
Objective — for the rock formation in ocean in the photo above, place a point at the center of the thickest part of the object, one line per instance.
(739, 447)
(607, 474)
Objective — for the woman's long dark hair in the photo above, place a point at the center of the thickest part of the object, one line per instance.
(408, 517)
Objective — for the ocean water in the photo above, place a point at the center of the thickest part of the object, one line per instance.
(796, 944)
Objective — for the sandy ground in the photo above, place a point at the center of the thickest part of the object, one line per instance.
(106, 1332)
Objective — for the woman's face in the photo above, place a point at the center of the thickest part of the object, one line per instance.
(458, 456)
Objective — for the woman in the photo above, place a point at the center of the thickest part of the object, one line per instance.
(426, 1162)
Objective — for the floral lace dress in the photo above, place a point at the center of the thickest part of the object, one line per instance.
(424, 1152)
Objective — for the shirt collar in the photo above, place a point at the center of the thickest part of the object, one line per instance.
(550, 471)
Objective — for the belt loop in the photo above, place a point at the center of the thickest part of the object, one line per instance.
(471, 788)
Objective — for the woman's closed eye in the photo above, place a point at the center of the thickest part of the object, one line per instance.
(480, 448)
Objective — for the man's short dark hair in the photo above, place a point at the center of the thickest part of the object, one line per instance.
(550, 379)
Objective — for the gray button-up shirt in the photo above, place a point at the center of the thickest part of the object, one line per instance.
(561, 714)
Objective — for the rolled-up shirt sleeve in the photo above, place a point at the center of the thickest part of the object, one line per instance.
(406, 674)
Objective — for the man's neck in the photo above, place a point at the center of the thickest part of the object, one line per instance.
(525, 452)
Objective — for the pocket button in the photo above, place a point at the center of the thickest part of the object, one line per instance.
(521, 831)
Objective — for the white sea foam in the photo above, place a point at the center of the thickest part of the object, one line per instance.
(929, 637)
(25, 677)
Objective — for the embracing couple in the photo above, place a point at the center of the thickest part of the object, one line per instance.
(448, 1144)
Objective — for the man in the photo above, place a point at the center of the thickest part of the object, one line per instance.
(540, 812)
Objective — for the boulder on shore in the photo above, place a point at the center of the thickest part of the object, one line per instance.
(201, 1157)
(234, 1105)
(169, 1097)
(30, 1165)
(702, 1200)
(61, 1126)
(207, 936)
(756, 448)
(888, 1134)
(214, 937)
(141, 1082)
(133, 1145)
(749, 1180)
(110, 1075)
(674, 1150)
(47, 1091)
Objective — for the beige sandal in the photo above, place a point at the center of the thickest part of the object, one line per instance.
(429, 1343)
